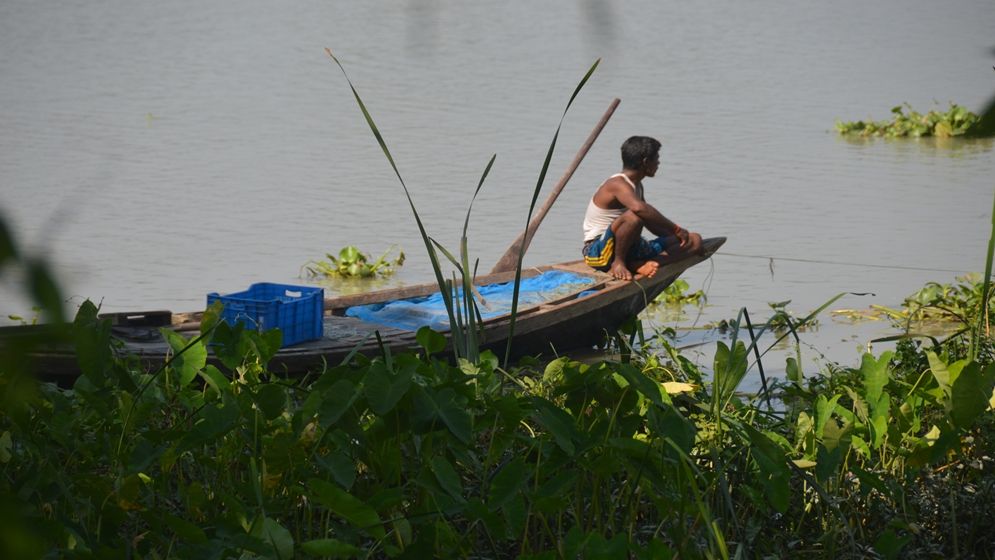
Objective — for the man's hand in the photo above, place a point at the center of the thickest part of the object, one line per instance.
(682, 236)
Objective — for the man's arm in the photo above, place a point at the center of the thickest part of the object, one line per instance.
(652, 219)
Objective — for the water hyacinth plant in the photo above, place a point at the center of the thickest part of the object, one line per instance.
(352, 263)
(956, 121)
(679, 293)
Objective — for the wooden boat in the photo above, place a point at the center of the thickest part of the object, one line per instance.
(574, 320)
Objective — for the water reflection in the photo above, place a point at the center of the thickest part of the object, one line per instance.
(931, 146)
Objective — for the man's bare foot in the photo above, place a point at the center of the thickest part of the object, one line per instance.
(620, 270)
(647, 269)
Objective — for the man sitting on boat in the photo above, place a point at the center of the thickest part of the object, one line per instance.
(618, 212)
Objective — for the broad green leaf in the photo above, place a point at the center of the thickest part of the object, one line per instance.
(823, 412)
(668, 423)
(430, 340)
(454, 414)
(861, 446)
(944, 373)
(879, 423)
(447, 477)
(553, 374)
(230, 344)
(832, 434)
(271, 399)
(774, 474)
(792, 371)
(214, 422)
(347, 506)
(189, 357)
(804, 463)
(599, 548)
(875, 375)
(268, 344)
(859, 406)
(335, 402)
(805, 432)
(276, 536)
(560, 424)
(506, 483)
(889, 545)
(638, 381)
(211, 316)
(6, 443)
(828, 462)
(432, 408)
(350, 255)
(93, 343)
(869, 481)
(385, 388)
(213, 377)
(330, 548)
(730, 368)
(185, 530)
(970, 393)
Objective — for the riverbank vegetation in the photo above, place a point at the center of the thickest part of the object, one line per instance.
(414, 456)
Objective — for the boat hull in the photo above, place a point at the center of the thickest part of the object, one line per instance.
(579, 319)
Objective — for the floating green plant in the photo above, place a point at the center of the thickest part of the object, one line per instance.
(945, 306)
(957, 121)
(678, 293)
(352, 263)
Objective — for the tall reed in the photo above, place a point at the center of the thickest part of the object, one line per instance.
(461, 308)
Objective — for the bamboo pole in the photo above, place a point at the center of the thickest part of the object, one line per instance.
(509, 260)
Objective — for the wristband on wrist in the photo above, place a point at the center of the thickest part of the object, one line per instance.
(677, 229)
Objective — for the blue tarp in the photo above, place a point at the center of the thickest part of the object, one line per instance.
(412, 314)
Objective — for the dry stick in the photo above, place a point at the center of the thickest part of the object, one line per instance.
(509, 260)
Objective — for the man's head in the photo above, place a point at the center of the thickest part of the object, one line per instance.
(641, 153)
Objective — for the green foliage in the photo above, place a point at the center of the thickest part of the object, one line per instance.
(418, 457)
(678, 293)
(956, 121)
(351, 263)
(944, 302)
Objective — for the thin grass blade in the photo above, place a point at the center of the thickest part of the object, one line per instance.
(436, 267)
(535, 197)
(986, 283)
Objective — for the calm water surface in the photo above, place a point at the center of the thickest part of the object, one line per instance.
(157, 151)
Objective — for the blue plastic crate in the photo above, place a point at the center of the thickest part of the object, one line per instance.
(295, 310)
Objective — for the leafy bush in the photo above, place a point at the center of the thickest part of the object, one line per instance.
(415, 456)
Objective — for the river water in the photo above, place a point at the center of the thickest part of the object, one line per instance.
(158, 151)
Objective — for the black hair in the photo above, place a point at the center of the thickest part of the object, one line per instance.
(637, 149)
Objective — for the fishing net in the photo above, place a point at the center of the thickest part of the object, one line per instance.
(412, 314)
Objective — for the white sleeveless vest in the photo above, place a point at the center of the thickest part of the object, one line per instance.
(597, 219)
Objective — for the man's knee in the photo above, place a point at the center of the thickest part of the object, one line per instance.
(628, 221)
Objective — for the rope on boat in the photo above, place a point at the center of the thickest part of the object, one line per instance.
(843, 263)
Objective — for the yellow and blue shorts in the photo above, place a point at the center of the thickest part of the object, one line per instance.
(599, 253)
